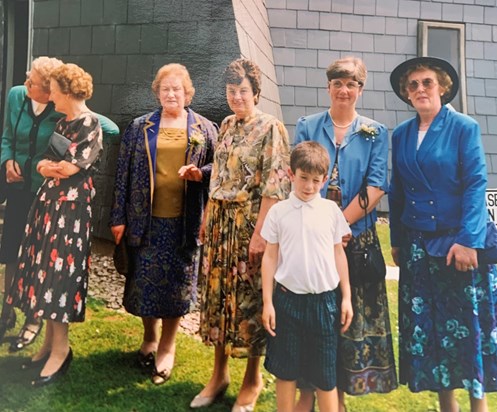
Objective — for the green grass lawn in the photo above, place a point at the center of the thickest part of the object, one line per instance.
(104, 376)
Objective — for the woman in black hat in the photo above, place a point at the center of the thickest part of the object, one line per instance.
(447, 300)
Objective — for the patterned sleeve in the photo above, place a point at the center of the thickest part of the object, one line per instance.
(86, 146)
(275, 182)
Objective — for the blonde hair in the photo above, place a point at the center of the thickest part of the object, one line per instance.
(74, 81)
(179, 70)
(341, 68)
(44, 66)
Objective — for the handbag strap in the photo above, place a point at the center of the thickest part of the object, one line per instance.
(364, 203)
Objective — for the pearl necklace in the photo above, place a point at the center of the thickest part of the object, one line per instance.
(345, 126)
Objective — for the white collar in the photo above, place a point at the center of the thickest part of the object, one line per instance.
(298, 203)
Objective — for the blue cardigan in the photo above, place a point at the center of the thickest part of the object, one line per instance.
(135, 177)
(442, 185)
(358, 156)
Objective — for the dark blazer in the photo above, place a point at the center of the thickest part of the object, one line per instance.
(442, 185)
(135, 177)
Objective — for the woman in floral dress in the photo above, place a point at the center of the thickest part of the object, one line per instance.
(162, 182)
(248, 176)
(358, 147)
(52, 277)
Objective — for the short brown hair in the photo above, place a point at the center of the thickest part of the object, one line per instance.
(310, 157)
(238, 69)
(443, 78)
(74, 81)
(178, 70)
(44, 66)
(348, 67)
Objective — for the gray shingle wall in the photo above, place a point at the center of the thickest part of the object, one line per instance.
(122, 43)
(252, 26)
(383, 33)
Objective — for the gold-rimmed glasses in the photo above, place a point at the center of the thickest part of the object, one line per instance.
(350, 85)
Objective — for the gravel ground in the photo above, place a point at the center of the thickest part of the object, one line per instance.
(108, 285)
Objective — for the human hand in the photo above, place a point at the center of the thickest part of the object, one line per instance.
(256, 248)
(269, 318)
(396, 255)
(465, 258)
(13, 172)
(346, 315)
(346, 239)
(118, 233)
(190, 172)
(48, 168)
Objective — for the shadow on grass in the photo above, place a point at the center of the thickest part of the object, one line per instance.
(101, 381)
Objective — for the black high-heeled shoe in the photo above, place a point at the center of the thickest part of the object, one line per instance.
(8, 323)
(31, 364)
(45, 380)
(26, 337)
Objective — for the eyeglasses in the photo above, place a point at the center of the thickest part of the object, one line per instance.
(427, 83)
(29, 82)
(351, 85)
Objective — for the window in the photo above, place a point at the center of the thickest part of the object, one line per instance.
(446, 41)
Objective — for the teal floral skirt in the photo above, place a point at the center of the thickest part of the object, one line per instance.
(365, 357)
(447, 323)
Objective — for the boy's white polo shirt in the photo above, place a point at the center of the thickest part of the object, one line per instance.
(306, 233)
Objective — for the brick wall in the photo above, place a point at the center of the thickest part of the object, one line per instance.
(308, 34)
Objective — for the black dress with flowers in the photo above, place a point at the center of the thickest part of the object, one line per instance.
(51, 281)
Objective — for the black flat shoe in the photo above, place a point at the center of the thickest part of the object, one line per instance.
(7, 324)
(31, 364)
(45, 380)
(146, 362)
(26, 337)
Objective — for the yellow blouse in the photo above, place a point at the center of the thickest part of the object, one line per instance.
(169, 188)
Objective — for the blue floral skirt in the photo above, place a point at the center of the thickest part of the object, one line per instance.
(162, 282)
(447, 323)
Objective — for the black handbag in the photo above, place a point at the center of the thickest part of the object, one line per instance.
(57, 147)
(121, 257)
(366, 264)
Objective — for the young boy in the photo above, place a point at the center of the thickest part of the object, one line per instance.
(304, 254)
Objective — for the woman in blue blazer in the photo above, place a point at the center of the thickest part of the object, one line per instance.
(358, 148)
(447, 301)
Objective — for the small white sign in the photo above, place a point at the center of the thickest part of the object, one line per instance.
(491, 202)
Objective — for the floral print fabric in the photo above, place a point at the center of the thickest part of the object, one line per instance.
(365, 357)
(447, 323)
(52, 277)
(250, 162)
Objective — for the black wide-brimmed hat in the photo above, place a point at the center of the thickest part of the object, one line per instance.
(444, 65)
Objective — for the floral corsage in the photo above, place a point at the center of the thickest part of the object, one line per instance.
(368, 132)
(197, 139)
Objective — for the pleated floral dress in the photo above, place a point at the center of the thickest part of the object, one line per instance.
(51, 281)
(250, 162)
